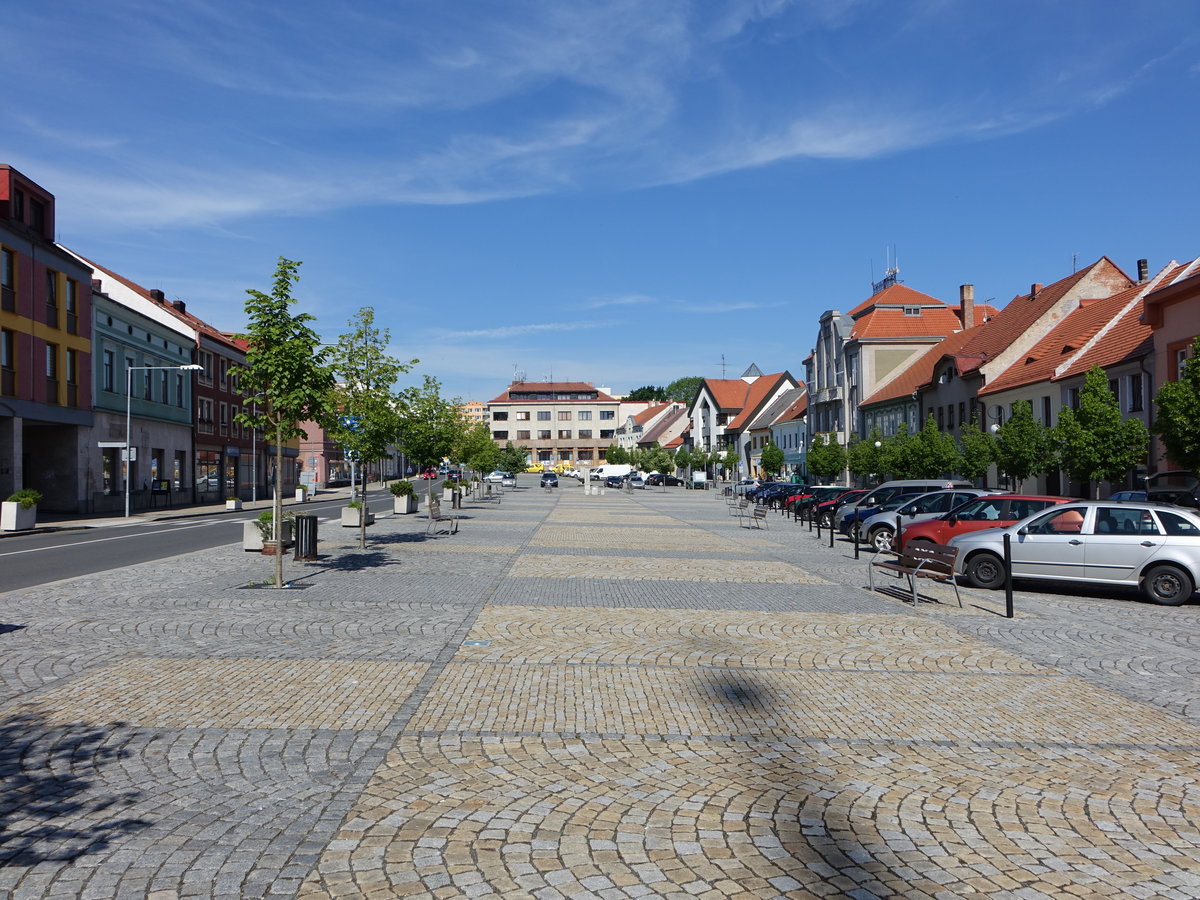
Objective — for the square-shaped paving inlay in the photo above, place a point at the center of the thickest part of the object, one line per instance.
(657, 568)
(234, 693)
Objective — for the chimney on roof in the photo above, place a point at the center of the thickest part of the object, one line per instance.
(966, 302)
(179, 305)
(156, 295)
(96, 289)
(1143, 270)
(1034, 288)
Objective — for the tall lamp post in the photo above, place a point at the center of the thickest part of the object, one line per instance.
(192, 367)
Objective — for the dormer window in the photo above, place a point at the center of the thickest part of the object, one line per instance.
(912, 310)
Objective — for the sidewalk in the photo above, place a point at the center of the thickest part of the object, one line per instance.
(596, 696)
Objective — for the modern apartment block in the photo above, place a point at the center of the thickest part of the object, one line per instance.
(559, 421)
(45, 350)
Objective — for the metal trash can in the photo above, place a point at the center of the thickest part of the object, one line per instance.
(306, 537)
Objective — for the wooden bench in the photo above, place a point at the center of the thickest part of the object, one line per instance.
(448, 521)
(917, 560)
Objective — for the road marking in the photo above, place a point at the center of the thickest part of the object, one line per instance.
(120, 537)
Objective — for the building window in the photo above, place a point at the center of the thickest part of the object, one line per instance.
(523, 415)
(179, 389)
(37, 216)
(500, 435)
(585, 433)
(500, 417)
(224, 418)
(18, 205)
(72, 378)
(950, 417)
(962, 412)
(52, 373)
(224, 368)
(564, 415)
(585, 415)
(564, 434)
(108, 370)
(543, 415)
(52, 298)
(8, 366)
(522, 435)
(204, 413)
(1135, 392)
(912, 310)
(1046, 412)
(147, 385)
(607, 414)
(72, 306)
(8, 280)
(1074, 398)
(606, 434)
(206, 374)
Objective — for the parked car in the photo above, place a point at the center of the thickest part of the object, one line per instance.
(614, 481)
(889, 489)
(454, 475)
(1128, 495)
(637, 481)
(1145, 545)
(657, 479)
(429, 474)
(509, 480)
(1177, 486)
(496, 477)
(879, 529)
(549, 480)
(746, 484)
(993, 511)
(827, 509)
(860, 514)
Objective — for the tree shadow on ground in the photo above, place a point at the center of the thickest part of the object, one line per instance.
(355, 561)
(48, 810)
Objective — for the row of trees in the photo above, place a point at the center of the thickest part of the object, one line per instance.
(1093, 443)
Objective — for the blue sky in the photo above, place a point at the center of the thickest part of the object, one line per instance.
(623, 192)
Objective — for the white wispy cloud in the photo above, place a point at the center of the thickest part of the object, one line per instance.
(510, 331)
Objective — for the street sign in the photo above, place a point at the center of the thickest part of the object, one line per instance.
(350, 423)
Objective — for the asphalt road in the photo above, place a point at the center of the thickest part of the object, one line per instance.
(32, 559)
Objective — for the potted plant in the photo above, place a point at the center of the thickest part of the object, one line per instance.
(404, 497)
(19, 511)
(256, 533)
(233, 503)
(351, 513)
(301, 493)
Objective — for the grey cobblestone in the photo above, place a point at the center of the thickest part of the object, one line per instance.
(628, 695)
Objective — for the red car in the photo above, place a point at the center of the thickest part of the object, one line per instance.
(992, 511)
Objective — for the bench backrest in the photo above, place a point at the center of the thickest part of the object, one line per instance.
(931, 557)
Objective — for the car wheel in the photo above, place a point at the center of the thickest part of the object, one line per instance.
(826, 520)
(880, 538)
(985, 570)
(1167, 585)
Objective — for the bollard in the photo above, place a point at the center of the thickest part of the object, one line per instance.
(857, 537)
(897, 540)
(831, 530)
(818, 529)
(306, 537)
(1008, 597)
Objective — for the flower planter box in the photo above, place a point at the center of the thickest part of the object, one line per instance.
(301, 495)
(350, 517)
(233, 504)
(14, 517)
(403, 506)
(252, 539)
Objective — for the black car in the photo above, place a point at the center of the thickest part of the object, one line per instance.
(549, 480)
(614, 481)
(657, 479)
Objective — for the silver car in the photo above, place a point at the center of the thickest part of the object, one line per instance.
(1146, 545)
(879, 529)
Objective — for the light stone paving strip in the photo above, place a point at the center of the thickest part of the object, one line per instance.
(650, 568)
(628, 538)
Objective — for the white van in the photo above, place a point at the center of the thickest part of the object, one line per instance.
(601, 472)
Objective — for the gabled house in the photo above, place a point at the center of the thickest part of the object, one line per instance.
(769, 426)
(723, 408)
(635, 423)
(665, 429)
(1172, 312)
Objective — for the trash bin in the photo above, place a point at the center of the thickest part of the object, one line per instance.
(306, 537)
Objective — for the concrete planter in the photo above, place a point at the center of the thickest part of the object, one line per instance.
(301, 495)
(403, 506)
(350, 517)
(233, 504)
(252, 539)
(14, 517)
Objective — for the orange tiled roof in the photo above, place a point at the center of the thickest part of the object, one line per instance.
(892, 322)
(896, 295)
(758, 390)
(649, 413)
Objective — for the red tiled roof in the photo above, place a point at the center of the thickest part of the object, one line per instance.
(891, 322)
(758, 390)
(896, 295)
(649, 413)
(796, 411)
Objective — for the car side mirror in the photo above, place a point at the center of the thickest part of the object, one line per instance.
(1024, 529)
(953, 520)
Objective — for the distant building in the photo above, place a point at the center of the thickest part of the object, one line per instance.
(558, 421)
(474, 411)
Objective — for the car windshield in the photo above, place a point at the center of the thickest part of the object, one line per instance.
(983, 509)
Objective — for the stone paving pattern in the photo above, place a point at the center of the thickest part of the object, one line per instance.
(593, 696)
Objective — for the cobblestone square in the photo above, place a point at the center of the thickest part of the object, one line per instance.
(614, 695)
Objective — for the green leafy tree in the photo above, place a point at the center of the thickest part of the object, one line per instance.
(683, 458)
(863, 458)
(684, 389)
(477, 450)
(701, 459)
(977, 450)
(618, 456)
(1177, 414)
(729, 462)
(1095, 442)
(432, 425)
(826, 456)
(772, 458)
(1024, 446)
(898, 453)
(934, 453)
(647, 392)
(286, 374)
(513, 459)
(365, 396)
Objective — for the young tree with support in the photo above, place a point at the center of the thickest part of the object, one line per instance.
(1177, 418)
(287, 374)
(1024, 446)
(431, 426)
(1096, 443)
(365, 396)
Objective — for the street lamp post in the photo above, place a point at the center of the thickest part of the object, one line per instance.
(129, 414)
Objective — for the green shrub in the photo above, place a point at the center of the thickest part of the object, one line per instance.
(27, 497)
(264, 522)
(401, 488)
